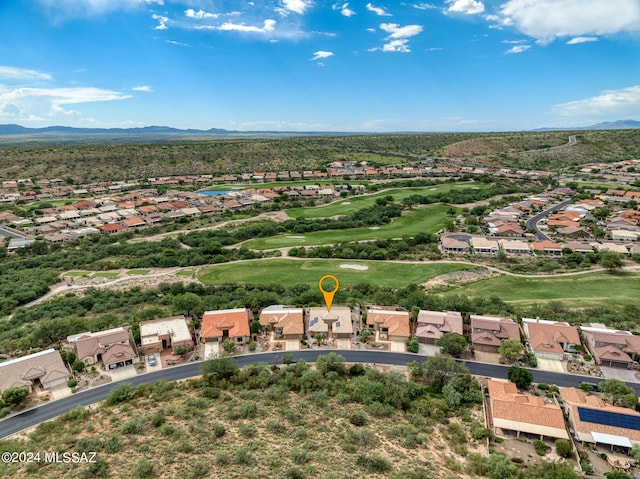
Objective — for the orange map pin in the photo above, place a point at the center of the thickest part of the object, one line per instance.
(328, 295)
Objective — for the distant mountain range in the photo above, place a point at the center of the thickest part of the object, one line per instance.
(155, 130)
(605, 125)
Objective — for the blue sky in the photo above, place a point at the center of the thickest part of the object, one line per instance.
(301, 65)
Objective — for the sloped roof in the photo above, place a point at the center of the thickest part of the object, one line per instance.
(547, 336)
(576, 398)
(93, 343)
(118, 352)
(46, 365)
(504, 328)
(508, 404)
(236, 321)
(289, 319)
(397, 322)
(449, 322)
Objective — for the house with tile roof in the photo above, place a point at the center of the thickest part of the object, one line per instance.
(431, 325)
(597, 422)
(223, 324)
(611, 347)
(481, 245)
(112, 348)
(546, 248)
(511, 411)
(551, 339)
(164, 333)
(488, 331)
(36, 372)
(389, 324)
(285, 321)
(332, 324)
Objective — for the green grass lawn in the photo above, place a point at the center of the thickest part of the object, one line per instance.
(78, 273)
(185, 272)
(105, 274)
(139, 271)
(428, 219)
(350, 205)
(288, 272)
(583, 290)
(273, 184)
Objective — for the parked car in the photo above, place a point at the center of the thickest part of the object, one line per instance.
(152, 360)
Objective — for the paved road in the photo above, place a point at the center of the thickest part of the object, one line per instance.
(32, 417)
(533, 221)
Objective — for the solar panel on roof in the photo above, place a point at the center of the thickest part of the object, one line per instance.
(609, 418)
(337, 324)
(313, 322)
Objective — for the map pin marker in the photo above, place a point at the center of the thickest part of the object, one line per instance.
(328, 295)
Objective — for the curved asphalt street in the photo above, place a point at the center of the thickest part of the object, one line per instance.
(32, 417)
(532, 222)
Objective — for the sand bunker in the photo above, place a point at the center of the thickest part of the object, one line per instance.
(358, 267)
(346, 203)
(295, 237)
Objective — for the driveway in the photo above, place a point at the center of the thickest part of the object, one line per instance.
(292, 345)
(550, 365)
(211, 348)
(626, 375)
(343, 343)
(428, 349)
(397, 347)
(125, 372)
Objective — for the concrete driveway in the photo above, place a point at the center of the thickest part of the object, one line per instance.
(428, 349)
(626, 375)
(124, 372)
(550, 365)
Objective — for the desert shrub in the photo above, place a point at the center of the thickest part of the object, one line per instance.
(72, 383)
(244, 457)
(563, 447)
(218, 430)
(158, 419)
(143, 469)
(99, 468)
(210, 393)
(358, 418)
(276, 426)
(374, 463)
(112, 444)
(294, 473)
(130, 426)
(362, 437)
(221, 458)
(540, 447)
(299, 456)
(480, 432)
(247, 430)
(120, 394)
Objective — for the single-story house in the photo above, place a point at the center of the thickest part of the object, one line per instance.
(550, 339)
(524, 413)
(455, 245)
(38, 371)
(223, 324)
(597, 422)
(113, 348)
(159, 334)
(333, 324)
(392, 325)
(283, 320)
(481, 245)
(488, 331)
(546, 248)
(433, 324)
(515, 247)
(611, 347)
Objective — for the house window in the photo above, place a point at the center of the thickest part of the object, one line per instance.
(239, 340)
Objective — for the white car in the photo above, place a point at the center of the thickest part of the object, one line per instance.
(152, 360)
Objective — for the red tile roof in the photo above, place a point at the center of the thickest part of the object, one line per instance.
(235, 321)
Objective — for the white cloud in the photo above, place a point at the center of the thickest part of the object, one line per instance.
(381, 12)
(346, 11)
(610, 104)
(145, 88)
(268, 26)
(396, 31)
(371, 30)
(467, 7)
(319, 55)
(180, 44)
(13, 73)
(296, 6)
(66, 9)
(546, 20)
(162, 22)
(33, 104)
(425, 6)
(518, 49)
(576, 40)
(200, 14)
(400, 45)
(398, 37)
